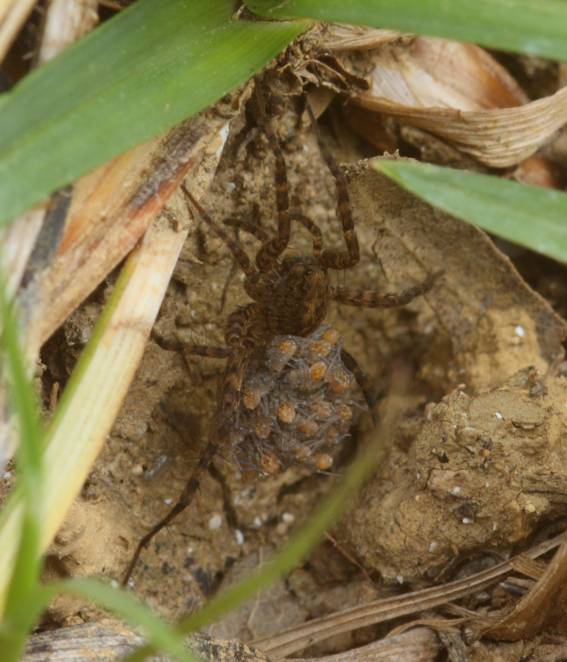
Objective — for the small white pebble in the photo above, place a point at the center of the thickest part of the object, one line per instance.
(7, 475)
(520, 331)
(114, 583)
(530, 508)
(230, 187)
(215, 522)
(168, 501)
(499, 416)
(456, 490)
(467, 520)
(400, 579)
(257, 522)
(433, 546)
(239, 536)
(288, 518)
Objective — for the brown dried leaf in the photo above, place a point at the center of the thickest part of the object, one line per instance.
(436, 73)
(340, 37)
(461, 94)
(495, 323)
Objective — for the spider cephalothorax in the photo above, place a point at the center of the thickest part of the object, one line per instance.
(298, 297)
(290, 298)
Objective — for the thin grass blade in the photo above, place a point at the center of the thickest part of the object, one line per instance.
(526, 215)
(143, 71)
(124, 605)
(515, 25)
(18, 617)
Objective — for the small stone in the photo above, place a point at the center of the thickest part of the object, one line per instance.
(215, 522)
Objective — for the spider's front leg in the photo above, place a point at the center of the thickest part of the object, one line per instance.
(333, 259)
(349, 296)
(267, 256)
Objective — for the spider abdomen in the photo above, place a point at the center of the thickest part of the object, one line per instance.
(292, 411)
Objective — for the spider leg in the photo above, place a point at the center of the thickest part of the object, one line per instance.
(239, 325)
(247, 226)
(182, 503)
(267, 256)
(239, 255)
(362, 380)
(198, 350)
(373, 299)
(263, 236)
(333, 259)
(210, 352)
(313, 229)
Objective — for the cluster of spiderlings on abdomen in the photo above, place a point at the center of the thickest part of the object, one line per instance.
(298, 403)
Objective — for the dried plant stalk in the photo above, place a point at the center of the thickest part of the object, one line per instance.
(66, 21)
(13, 14)
(297, 638)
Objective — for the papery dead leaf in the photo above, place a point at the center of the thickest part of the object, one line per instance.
(481, 299)
(496, 138)
(340, 37)
(461, 94)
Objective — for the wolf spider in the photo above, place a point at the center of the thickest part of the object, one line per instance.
(291, 296)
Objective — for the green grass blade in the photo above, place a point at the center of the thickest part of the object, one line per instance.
(128, 608)
(526, 26)
(148, 68)
(527, 215)
(121, 603)
(18, 618)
